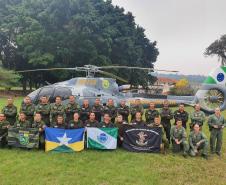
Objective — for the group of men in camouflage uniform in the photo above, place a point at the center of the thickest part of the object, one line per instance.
(71, 116)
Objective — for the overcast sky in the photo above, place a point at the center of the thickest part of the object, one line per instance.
(182, 29)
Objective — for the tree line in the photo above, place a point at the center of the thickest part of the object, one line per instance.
(68, 33)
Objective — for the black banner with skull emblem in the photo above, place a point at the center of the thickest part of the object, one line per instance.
(142, 139)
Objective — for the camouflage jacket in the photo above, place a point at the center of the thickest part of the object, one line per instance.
(22, 124)
(10, 111)
(43, 109)
(166, 115)
(136, 108)
(111, 110)
(150, 115)
(94, 123)
(55, 110)
(4, 124)
(56, 125)
(72, 108)
(72, 124)
(138, 123)
(37, 124)
(28, 110)
(109, 125)
(124, 111)
(153, 125)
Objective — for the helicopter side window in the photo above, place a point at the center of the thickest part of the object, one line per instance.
(47, 91)
(63, 92)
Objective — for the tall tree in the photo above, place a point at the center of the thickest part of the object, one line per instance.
(218, 47)
(69, 33)
(8, 78)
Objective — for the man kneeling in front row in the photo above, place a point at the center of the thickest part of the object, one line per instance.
(198, 141)
(165, 143)
(178, 137)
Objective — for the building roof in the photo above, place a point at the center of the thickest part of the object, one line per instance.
(166, 80)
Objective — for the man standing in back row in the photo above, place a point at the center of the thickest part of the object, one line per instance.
(182, 115)
(137, 107)
(166, 116)
(123, 110)
(151, 113)
(56, 109)
(71, 108)
(216, 123)
(97, 109)
(44, 109)
(197, 117)
(28, 108)
(10, 111)
(111, 110)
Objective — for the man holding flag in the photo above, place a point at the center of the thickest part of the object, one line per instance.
(92, 122)
(59, 122)
(107, 122)
(104, 137)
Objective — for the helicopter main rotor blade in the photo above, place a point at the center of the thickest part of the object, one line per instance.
(112, 75)
(50, 69)
(139, 68)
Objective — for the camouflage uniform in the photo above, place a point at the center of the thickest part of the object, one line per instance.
(138, 123)
(134, 109)
(165, 142)
(150, 115)
(73, 125)
(55, 110)
(84, 113)
(44, 110)
(10, 113)
(181, 115)
(197, 117)
(112, 111)
(70, 109)
(57, 125)
(216, 133)
(4, 124)
(98, 110)
(194, 139)
(180, 134)
(121, 129)
(166, 115)
(124, 111)
(90, 123)
(3, 132)
(22, 124)
(109, 125)
(28, 110)
(39, 125)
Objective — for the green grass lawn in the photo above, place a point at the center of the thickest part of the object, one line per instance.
(119, 167)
